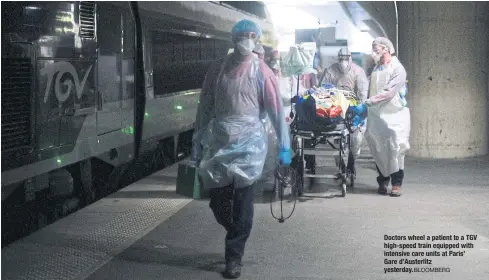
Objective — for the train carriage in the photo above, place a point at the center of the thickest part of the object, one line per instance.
(70, 78)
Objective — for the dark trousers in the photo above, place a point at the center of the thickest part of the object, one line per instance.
(233, 209)
(396, 178)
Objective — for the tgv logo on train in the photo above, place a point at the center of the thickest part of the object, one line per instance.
(63, 67)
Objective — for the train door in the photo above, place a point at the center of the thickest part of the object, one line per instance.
(128, 65)
(109, 68)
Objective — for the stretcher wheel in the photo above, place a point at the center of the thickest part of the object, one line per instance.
(351, 172)
(343, 190)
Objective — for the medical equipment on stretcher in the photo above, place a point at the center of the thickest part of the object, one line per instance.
(325, 116)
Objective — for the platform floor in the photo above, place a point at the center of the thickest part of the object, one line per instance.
(146, 231)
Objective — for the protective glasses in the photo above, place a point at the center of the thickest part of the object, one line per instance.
(344, 57)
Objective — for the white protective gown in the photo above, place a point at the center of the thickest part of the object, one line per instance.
(388, 120)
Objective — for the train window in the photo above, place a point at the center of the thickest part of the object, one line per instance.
(208, 48)
(181, 61)
(191, 50)
(109, 44)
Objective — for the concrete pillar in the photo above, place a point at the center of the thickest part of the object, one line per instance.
(445, 49)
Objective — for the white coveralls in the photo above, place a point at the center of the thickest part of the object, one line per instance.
(353, 79)
(389, 123)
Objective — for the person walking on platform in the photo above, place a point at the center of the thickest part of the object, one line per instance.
(230, 143)
(389, 123)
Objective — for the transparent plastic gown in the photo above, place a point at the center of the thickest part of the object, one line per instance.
(230, 139)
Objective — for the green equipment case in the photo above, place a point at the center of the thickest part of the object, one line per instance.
(188, 182)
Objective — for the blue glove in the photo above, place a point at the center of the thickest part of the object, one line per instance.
(360, 109)
(327, 86)
(356, 121)
(403, 101)
(284, 157)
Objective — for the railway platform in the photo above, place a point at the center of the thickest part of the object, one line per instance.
(147, 231)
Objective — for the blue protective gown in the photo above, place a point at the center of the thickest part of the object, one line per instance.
(229, 138)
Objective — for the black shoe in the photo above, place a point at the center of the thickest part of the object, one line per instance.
(382, 187)
(233, 270)
(382, 190)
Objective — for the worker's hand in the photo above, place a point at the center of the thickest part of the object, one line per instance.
(368, 102)
(360, 109)
(284, 157)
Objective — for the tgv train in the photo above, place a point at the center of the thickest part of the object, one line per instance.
(80, 79)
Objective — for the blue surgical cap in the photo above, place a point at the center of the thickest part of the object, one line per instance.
(245, 26)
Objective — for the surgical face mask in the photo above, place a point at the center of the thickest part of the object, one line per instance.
(376, 57)
(344, 65)
(246, 47)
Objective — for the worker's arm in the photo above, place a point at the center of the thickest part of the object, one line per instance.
(362, 85)
(272, 102)
(393, 86)
(205, 111)
(313, 80)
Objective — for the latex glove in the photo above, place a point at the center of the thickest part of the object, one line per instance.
(368, 102)
(284, 157)
(356, 121)
(360, 109)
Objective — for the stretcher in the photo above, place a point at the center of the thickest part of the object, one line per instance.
(308, 130)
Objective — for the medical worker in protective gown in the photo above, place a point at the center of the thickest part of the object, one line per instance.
(388, 119)
(230, 142)
(346, 75)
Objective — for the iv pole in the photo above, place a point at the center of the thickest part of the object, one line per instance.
(397, 28)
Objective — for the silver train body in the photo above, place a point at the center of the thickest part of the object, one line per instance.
(68, 79)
